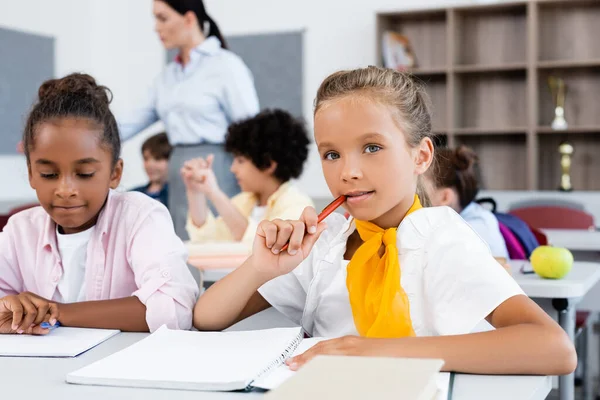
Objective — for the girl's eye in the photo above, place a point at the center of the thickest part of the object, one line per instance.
(331, 156)
(48, 176)
(372, 148)
(86, 176)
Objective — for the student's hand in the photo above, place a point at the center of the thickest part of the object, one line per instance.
(25, 312)
(199, 176)
(271, 236)
(344, 346)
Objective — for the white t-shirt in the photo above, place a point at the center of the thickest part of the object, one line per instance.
(258, 214)
(73, 252)
(485, 223)
(452, 281)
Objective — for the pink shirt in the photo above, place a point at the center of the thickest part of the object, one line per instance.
(133, 251)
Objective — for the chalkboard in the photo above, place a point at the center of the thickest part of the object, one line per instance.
(26, 60)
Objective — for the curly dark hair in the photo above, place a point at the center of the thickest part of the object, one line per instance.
(75, 95)
(271, 135)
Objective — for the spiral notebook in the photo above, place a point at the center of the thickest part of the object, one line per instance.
(210, 361)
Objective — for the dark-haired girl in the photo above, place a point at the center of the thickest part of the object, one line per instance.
(88, 256)
(453, 182)
(197, 96)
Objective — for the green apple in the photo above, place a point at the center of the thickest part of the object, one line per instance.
(551, 262)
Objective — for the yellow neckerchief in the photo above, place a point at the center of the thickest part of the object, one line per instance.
(379, 304)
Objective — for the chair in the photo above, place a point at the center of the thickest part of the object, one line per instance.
(554, 217)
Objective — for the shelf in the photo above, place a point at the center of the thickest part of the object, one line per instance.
(426, 32)
(512, 67)
(491, 35)
(421, 72)
(568, 31)
(581, 101)
(507, 130)
(486, 68)
(491, 100)
(568, 3)
(502, 160)
(558, 64)
(585, 162)
(574, 129)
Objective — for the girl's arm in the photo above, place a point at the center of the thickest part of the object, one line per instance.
(127, 314)
(235, 297)
(526, 341)
(231, 299)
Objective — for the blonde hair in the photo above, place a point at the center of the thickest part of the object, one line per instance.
(406, 98)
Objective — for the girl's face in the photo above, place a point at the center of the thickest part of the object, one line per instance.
(366, 157)
(71, 172)
(172, 28)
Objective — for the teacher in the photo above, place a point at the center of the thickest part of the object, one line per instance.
(197, 96)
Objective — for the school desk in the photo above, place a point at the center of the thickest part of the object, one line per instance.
(30, 378)
(564, 293)
(574, 239)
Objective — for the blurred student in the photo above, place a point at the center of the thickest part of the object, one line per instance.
(269, 150)
(156, 151)
(453, 182)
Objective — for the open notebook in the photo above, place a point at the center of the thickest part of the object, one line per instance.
(60, 342)
(217, 361)
(170, 359)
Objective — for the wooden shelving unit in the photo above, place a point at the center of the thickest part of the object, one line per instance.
(486, 69)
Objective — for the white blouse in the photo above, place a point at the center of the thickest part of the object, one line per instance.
(448, 273)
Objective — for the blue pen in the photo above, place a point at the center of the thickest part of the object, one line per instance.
(46, 325)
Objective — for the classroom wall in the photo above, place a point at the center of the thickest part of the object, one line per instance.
(114, 41)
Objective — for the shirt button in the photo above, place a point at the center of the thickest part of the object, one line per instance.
(55, 278)
(166, 274)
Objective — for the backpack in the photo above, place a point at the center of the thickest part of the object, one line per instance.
(518, 236)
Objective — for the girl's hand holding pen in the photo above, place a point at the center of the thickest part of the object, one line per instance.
(280, 246)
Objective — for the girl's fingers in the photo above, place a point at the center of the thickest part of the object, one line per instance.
(284, 232)
(310, 218)
(298, 233)
(30, 314)
(268, 230)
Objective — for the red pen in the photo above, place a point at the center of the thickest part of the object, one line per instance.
(325, 213)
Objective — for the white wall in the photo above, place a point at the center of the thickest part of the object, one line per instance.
(114, 41)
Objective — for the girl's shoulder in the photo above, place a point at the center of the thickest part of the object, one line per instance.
(424, 227)
(130, 208)
(30, 220)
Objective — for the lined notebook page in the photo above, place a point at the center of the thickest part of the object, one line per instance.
(60, 342)
(171, 359)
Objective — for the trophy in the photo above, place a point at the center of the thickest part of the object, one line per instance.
(566, 152)
(558, 89)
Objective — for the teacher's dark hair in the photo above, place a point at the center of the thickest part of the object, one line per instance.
(197, 7)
